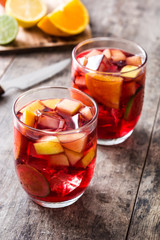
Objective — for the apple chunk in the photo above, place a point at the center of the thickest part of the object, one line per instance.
(28, 118)
(33, 107)
(59, 160)
(130, 71)
(86, 112)
(85, 161)
(117, 55)
(73, 141)
(134, 60)
(73, 157)
(51, 103)
(48, 145)
(68, 106)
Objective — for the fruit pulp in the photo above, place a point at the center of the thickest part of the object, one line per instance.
(116, 83)
(54, 167)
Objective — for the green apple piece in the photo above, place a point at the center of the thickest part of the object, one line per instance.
(86, 112)
(73, 141)
(130, 71)
(28, 118)
(59, 160)
(48, 145)
(33, 107)
(85, 161)
(51, 103)
(73, 157)
(68, 106)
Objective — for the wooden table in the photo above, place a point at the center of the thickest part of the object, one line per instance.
(123, 199)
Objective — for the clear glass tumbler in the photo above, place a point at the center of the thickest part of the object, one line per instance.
(112, 71)
(55, 144)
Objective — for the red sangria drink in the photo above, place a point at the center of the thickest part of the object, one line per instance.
(55, 144)
(112, 72)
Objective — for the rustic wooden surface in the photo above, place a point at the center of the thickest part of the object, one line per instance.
(123, 199)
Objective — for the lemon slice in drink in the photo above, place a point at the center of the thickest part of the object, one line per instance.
(27, 12)
(8, 29)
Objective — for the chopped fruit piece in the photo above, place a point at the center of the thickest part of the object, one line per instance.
(85, 161)
(130, 71)
(107, 53)
(68, 106)
(129, 89)
(28, 118)
(98, 63)
(86, 112)
(48, 146)
(117, 55)
(105, 89)
(50, 121)
(130, 105)
(71, 17)
(48, 27)
(80, 81)
(93, 53)
(74, 141)
(59, 160)
(73, 157)
(20, 144)
(83, 60)
(134, 60)
(51, 103)
(33, 107)
(33, 181)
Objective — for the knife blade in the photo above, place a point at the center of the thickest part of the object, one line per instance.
(33, 78)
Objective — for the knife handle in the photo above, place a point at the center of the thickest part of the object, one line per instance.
(1, 91)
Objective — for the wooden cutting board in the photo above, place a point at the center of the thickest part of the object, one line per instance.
(34, 38)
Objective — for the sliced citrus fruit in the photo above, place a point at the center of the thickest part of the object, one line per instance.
(71, 18)
(27, 12)
(33, 181)
(105, 89)
(8, 29)
(48, 27)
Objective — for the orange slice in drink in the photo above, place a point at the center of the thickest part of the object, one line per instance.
(105, 89)
(71, 18)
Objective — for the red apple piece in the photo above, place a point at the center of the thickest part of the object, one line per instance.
(98, 63)
(83, 60)
(85, 161)
(59, 160)
(117, 55)
(48, 145)
(107, 53)
(51, 103)
(94, 52)
(130, 71)
(134, 60)
(68, 106)
(86, 112)
(73, 141)
(73, 157)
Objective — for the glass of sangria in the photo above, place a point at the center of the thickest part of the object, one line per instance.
(112, 71)
(55, 144)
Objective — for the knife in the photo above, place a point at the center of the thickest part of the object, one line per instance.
(35, 77)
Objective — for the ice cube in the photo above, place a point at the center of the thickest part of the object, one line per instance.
(51, 121)
(98, 63)
(63, 183)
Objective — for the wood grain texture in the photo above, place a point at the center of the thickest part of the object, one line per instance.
(123, 197)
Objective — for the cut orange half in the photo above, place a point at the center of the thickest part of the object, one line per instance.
(71, 18)
(105, 89)
(48, 27)
(26, 12)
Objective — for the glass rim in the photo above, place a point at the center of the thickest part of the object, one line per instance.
(55, 132)
(91, 40)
